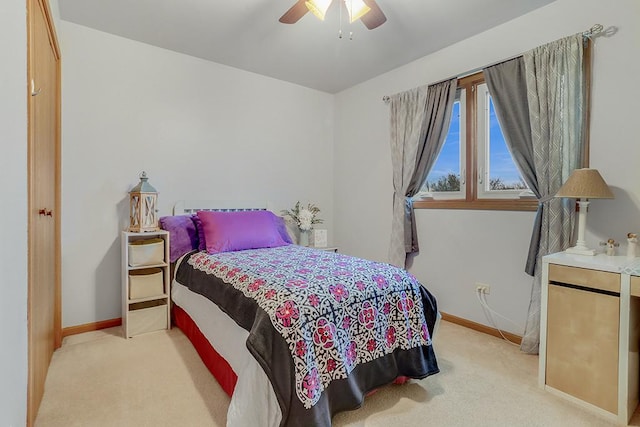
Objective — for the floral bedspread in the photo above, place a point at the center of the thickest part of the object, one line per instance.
(333, 311)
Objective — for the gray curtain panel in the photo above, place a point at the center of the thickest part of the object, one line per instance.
(408, 129)
(555, 98)
(419, 124)
(557, 101)
(508, 88)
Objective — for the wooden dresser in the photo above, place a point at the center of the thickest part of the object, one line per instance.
(590, 331)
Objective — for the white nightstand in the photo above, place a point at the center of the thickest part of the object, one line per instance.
(590, 330)
(145, 282)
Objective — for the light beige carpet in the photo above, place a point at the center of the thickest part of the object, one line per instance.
(100, 379)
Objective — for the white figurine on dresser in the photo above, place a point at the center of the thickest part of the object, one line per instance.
(611, 246)
(632, 248)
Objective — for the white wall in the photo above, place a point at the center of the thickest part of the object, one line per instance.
(205, 131)
(459, 248)
(201, 131)
(13, 215)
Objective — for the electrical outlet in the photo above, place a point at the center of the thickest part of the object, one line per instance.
(483, 288)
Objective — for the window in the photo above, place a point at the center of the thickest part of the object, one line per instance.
(446, 178)
(474, 169)
(498, 175)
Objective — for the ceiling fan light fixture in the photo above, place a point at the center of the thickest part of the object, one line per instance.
(318, 7)
(367, 11)
(357, 9)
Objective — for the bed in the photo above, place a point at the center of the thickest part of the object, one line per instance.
(293, 334)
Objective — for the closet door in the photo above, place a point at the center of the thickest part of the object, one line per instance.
(44, 199)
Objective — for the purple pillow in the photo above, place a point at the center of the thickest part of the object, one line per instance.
(236, 231)
(202, 242)
(183, 236)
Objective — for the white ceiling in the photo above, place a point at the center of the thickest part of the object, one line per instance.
(246, 34)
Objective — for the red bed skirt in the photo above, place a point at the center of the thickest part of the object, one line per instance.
(216, 364)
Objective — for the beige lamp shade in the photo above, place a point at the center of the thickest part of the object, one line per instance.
(585, 184)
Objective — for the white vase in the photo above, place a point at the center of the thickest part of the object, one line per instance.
(304, 238)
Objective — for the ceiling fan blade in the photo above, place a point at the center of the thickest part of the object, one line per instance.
(296, 12)
(374, 18)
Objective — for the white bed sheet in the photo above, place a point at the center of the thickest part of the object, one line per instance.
(253, 402)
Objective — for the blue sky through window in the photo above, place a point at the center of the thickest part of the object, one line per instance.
(500, 160)
(449, 159)
(501, 163)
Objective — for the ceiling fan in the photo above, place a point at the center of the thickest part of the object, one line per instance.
(367, 11)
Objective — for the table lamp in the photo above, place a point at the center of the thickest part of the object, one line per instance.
(584, 184)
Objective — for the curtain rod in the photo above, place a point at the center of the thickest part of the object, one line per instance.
(594, 31)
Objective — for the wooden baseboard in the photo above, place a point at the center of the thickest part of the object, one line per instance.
(481, 328)
(103, 324)
(88, 327)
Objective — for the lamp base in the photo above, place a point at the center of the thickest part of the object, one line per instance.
(581, 250)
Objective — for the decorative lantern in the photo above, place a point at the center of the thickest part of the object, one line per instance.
(143, 200)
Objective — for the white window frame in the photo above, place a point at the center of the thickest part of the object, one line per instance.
(483, 139)
(472, 162)
(461, 97)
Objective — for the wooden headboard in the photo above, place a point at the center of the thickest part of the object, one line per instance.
(192, 206)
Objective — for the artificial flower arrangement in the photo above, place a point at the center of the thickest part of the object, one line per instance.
(304, 217)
